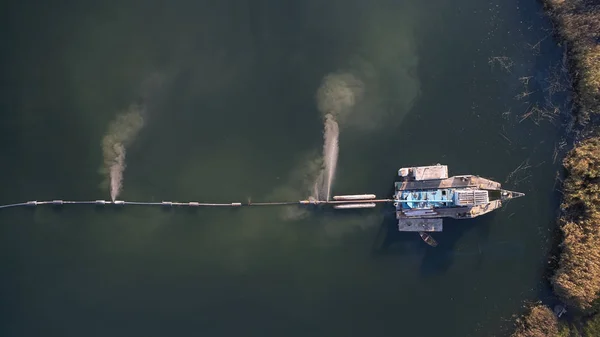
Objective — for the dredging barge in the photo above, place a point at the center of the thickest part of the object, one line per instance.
(424, 195)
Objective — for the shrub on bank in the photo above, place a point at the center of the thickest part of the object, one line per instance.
(592, 327)
(539, 321)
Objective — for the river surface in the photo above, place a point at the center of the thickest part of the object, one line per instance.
(232, 113)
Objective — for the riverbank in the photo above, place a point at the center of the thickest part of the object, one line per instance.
(576, 279)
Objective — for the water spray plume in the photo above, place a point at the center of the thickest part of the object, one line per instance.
(116, 172)
(335, 98)
(121, 132)
(330, 151)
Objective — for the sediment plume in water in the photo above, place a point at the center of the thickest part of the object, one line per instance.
(121, 133)
(338, 93)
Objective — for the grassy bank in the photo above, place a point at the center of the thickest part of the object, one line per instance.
(576, 280)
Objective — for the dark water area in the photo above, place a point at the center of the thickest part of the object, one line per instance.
(232, 114)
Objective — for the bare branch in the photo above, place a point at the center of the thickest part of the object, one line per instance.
(504, 61)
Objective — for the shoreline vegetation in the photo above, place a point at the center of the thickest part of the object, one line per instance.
(576, 278)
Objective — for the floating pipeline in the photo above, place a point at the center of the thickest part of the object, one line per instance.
(357, 203)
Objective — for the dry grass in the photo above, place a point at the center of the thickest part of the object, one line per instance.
(577, 279)
(578, 24)
(539, 321)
